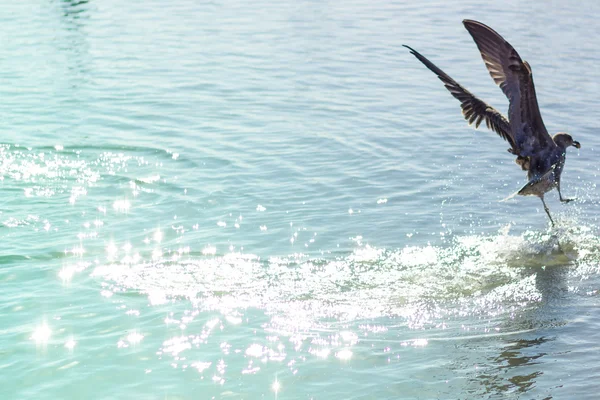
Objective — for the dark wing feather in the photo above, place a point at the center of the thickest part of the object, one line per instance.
(474, 110)
(514, 77)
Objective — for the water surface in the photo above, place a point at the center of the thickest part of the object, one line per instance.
(260, 200)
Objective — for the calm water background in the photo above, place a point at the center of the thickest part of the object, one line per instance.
(275, 200)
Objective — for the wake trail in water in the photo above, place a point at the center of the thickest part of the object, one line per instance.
(476, 274)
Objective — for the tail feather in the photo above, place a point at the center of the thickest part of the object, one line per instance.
(509, 197)
(537, 186)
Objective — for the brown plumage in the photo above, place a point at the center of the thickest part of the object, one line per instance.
(542, 156)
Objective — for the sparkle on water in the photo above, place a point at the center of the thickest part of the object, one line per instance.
(42, 334)
(276, 386)
(70, 344)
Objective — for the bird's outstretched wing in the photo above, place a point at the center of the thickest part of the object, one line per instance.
(474, 109)
(514, 77)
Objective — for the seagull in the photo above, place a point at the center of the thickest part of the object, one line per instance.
(538, 153)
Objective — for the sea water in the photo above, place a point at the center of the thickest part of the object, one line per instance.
(276, 200)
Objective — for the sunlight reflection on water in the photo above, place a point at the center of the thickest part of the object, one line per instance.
(42, 334)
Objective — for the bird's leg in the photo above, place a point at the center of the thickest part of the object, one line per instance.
(560, 194)
(547, 211)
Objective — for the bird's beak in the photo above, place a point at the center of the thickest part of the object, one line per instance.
(576, 144)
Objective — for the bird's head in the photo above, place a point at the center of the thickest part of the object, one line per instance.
(564, 140)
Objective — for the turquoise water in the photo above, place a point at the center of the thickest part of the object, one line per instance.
(275, 200)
